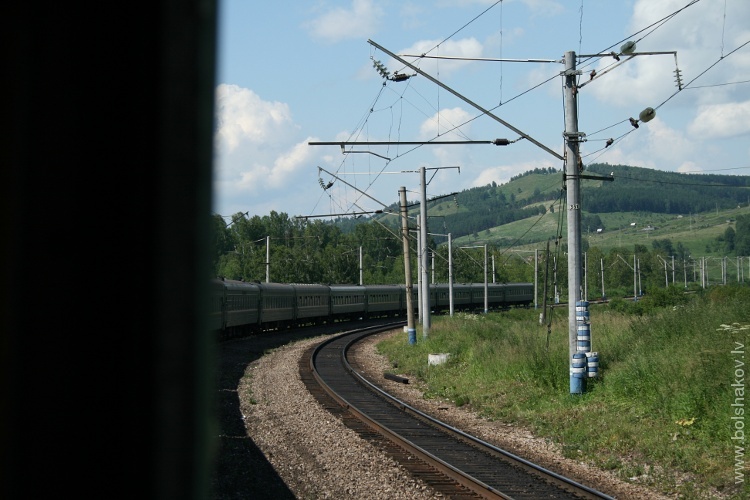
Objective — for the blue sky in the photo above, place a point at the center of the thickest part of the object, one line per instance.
(294, 72)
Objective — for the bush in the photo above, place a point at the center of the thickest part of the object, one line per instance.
(733, 292)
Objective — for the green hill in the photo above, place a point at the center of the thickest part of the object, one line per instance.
(639, 206)
(664, 213)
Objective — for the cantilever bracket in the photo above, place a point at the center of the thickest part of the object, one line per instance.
(591, 177)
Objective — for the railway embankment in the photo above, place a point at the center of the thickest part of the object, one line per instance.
(665, 411)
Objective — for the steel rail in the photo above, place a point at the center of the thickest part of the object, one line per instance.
(463, 478)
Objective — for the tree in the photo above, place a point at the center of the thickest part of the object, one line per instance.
(681, 251)
(729, 236)
(742, 236)
(663, 246)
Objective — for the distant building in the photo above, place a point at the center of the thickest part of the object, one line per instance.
(600, 230)
(632, 224)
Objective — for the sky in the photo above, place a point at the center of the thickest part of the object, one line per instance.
(291, 73)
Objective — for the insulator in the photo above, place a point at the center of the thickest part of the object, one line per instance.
(628, 47)
(678, 78)
(381, 69)
(647, 115)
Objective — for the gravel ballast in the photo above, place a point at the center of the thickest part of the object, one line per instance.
(317, 456)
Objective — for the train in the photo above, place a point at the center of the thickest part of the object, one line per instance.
(240, 308)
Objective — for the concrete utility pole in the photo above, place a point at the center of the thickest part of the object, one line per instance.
(423, 255)
(635, 278)
(420, 290)
(410, 328)
(450, 272)
(573, 168)
(536, 275)
(543, 314)
(432, 278)
(486, 300)
(268, 259)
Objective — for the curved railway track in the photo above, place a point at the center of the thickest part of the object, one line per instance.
(451, 461)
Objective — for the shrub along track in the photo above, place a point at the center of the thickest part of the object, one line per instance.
(452, 462)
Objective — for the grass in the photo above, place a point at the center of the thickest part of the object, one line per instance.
(695, 231)
(660, 413)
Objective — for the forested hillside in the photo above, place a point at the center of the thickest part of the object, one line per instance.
(685, 215)
(641, 189)
(541, 190)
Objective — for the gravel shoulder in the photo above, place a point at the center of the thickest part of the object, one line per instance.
(316, 456)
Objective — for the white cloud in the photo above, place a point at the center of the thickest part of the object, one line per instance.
(696, 128)
(653, 145)
(444, 121)
(243, 117)
(465, 47)
(501, 174)
(254, 171)
(689, 167)
(700, 35)
(547, 8)
(537, 7)
(359, 21)
(664, 144)
(256, 148)
(289, 163)
(721, 121)
(412, 16)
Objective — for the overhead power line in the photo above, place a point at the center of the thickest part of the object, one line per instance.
(468, 101)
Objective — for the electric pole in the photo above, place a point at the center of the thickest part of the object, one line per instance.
(423, 256)
(573, 168)
(410, 328)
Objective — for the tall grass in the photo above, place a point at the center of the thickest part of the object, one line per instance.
(660, 411)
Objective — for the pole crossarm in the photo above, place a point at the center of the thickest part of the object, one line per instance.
(632, 54)
(496, 142)
(468, 101)
(489, 59)
(435, 199)
(626, 262)
(338, 215)
(591, 177)
(354, 187)
(227, 224)
(666, 263)
(596, 76)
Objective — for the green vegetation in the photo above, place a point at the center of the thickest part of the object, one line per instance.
(659, 414)
(693, 217)
(322, 253)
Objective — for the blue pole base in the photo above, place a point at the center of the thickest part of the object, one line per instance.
(412, 335)
(577, 384)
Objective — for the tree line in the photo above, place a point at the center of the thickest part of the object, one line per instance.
(305, 251)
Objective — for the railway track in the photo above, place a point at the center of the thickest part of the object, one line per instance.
(452, 462)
